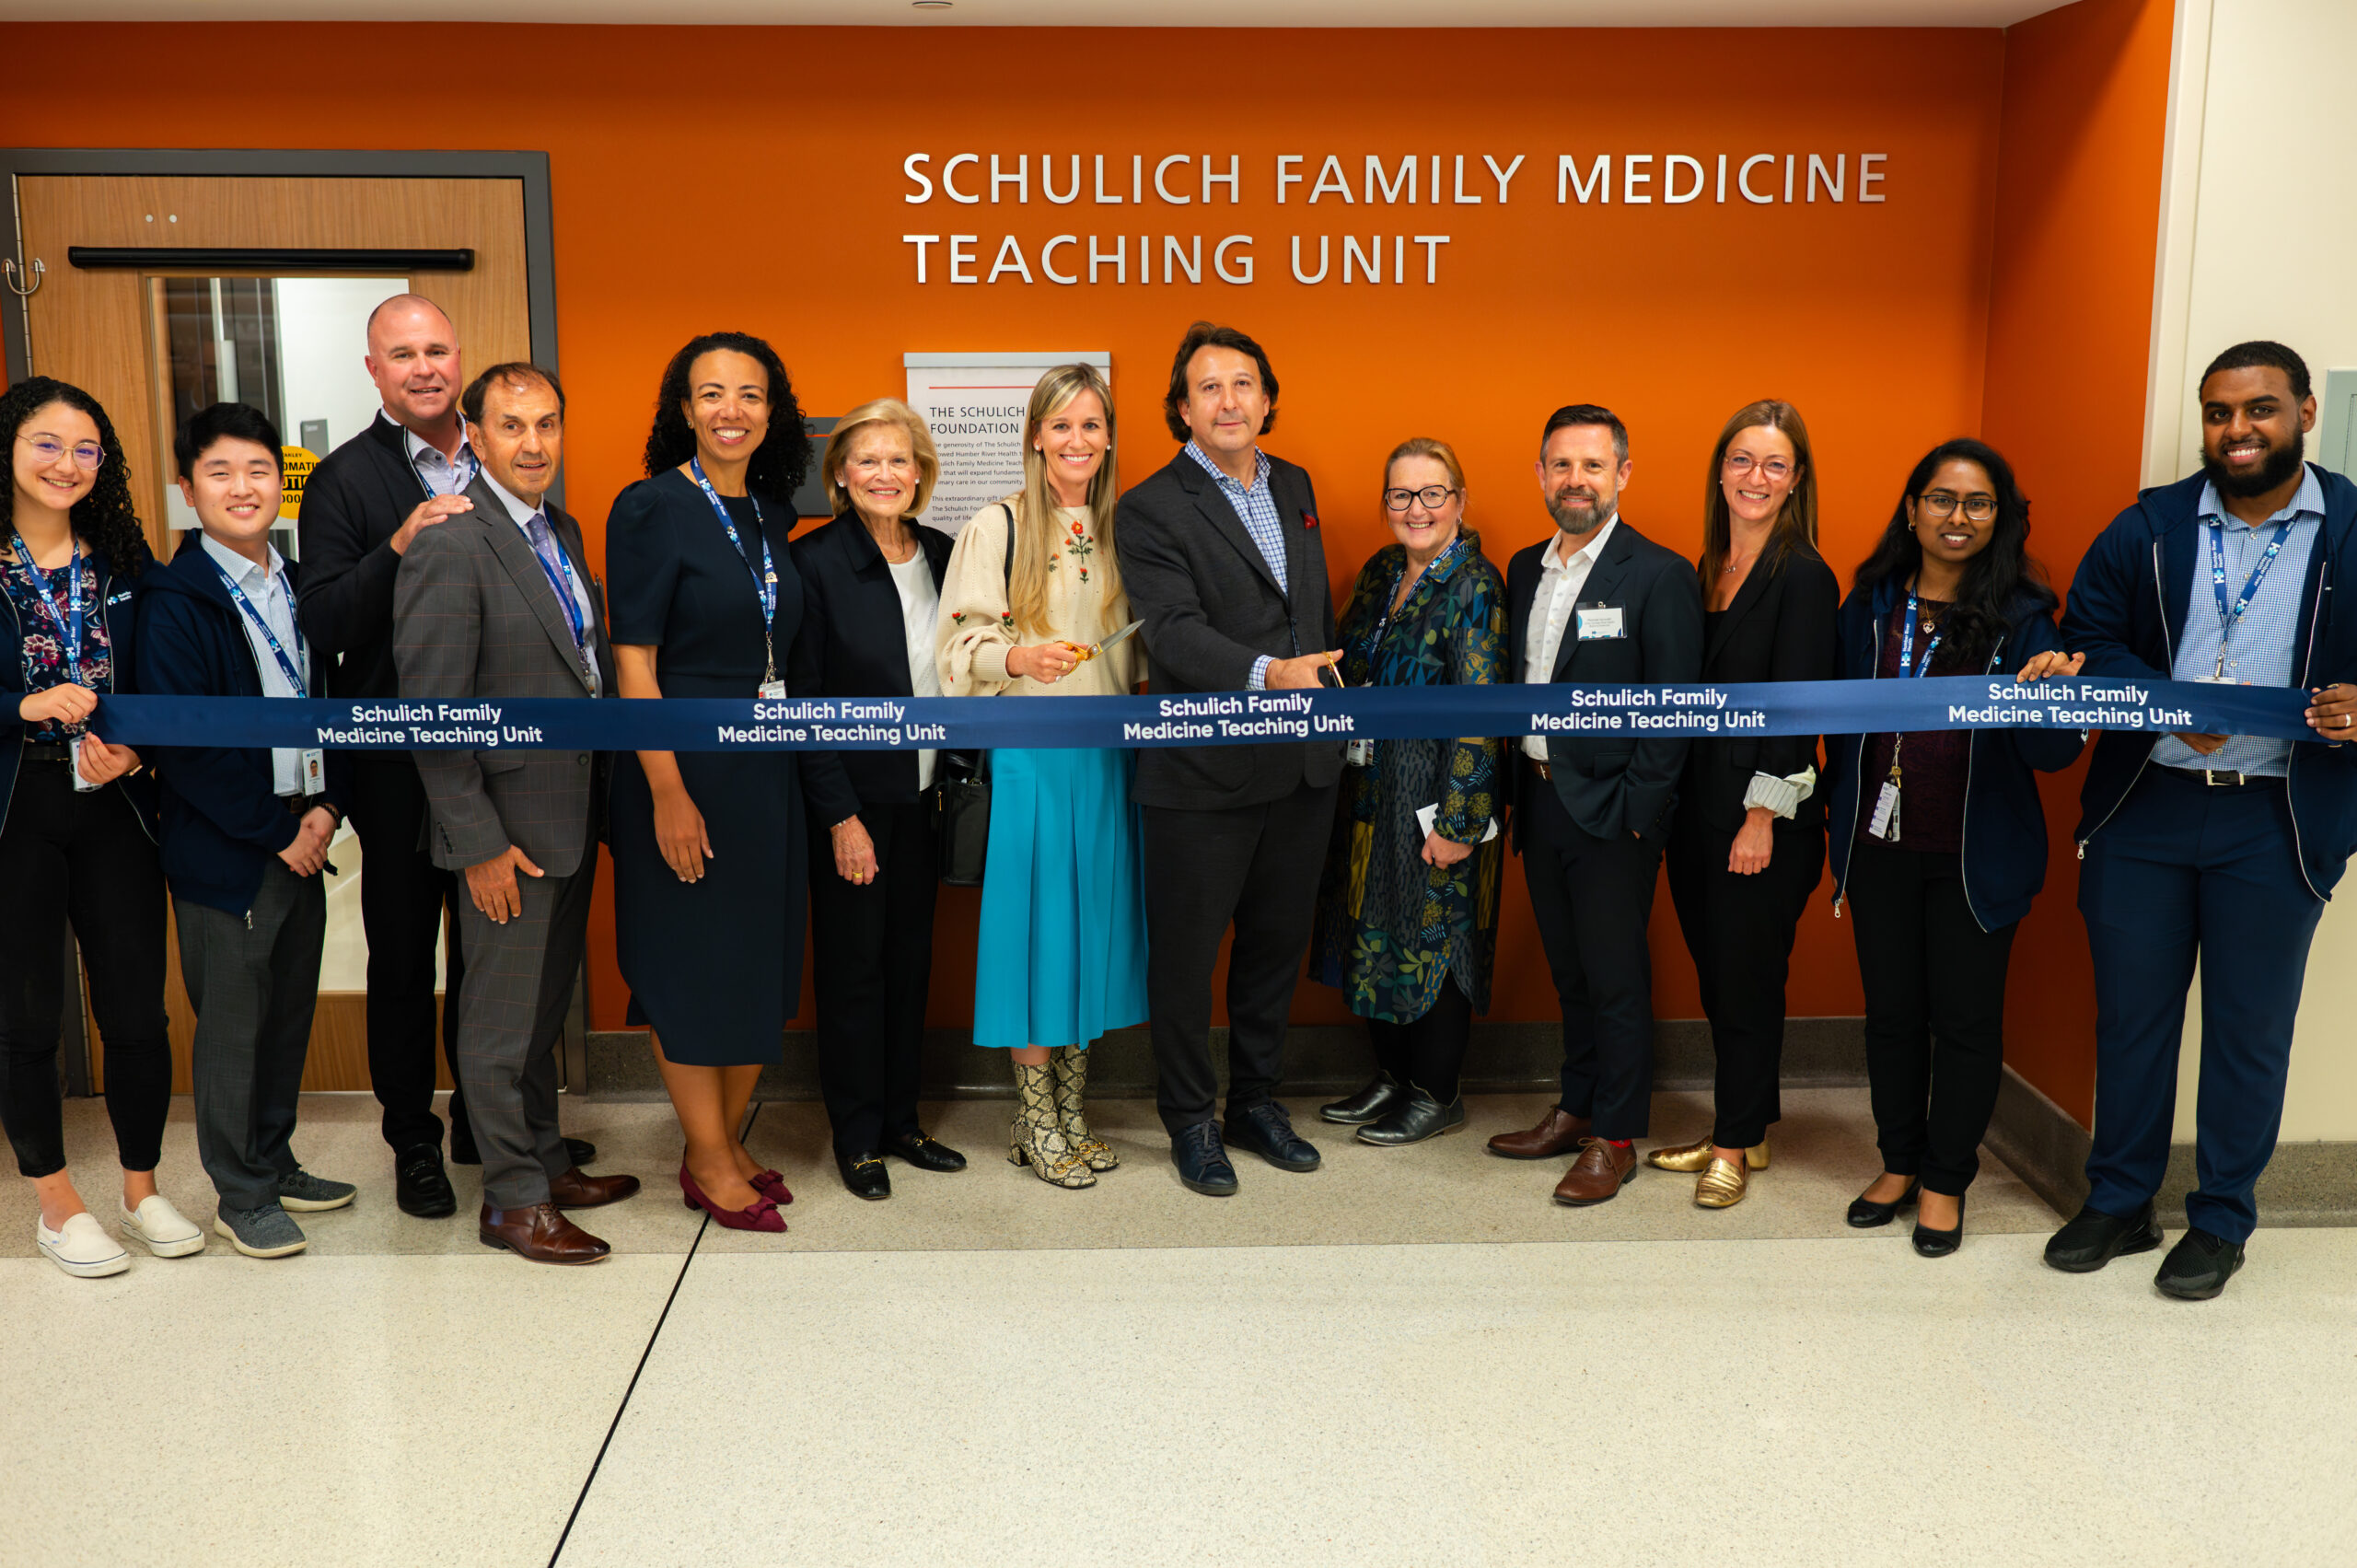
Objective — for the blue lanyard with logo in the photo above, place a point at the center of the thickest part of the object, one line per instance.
(69, 622)
(461, 477)
(764, 575)
(1908, 667)
(562, 586)
(287, 667)
(2231, 616)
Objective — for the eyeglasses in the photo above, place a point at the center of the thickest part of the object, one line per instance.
(1774, 469)
(1433, 496)
(1943, 503)
(48, 448)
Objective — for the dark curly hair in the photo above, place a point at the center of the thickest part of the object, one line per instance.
(780, 462)
(105, 517)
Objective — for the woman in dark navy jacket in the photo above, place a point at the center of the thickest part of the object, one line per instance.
(76, 819)
(1937, 838)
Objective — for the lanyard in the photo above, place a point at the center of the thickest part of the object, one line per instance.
(2230, 617)
(562, 586)
(1908, 669)
(764, 576)
(461, 478)
(286, 667)
(69, 625)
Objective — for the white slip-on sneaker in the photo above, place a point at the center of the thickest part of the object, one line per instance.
(162, 1228)
(82, 1247)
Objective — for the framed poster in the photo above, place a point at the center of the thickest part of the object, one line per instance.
(975, 403)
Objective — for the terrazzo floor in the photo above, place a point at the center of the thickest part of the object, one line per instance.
(1407, 1357)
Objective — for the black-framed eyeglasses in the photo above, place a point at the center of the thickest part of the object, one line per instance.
(1980, 508)
(48, 448)
(1433, 496)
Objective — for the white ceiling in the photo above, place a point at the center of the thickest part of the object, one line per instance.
(1077, 13)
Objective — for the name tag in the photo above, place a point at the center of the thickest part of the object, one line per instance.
(771, 691)
(312, 768)
(1599, 620)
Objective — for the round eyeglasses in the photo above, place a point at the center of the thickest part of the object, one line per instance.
(1943, 503)
(1433, 496)
(48, 448)
(1773, 469)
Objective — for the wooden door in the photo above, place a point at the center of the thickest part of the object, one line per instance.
(109, 331)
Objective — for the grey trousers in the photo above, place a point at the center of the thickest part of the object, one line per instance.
(511, 1019)
(254, 982)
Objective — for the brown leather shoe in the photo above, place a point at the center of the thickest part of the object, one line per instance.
(1598, 1175)
(1557, 1133)
(540, 1234)
(576, 1189)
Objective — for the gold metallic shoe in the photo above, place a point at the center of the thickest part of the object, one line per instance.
(1070, 1064)
(1721, 1187)
(1696, 1156)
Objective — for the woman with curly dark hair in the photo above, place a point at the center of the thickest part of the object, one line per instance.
(77, 822)
(708, 847)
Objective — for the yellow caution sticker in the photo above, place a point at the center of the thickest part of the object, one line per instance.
(297, 472)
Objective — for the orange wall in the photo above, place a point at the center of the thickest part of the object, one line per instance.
(709, 178)
(2070, 324)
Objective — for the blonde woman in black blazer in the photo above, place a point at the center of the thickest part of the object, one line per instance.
(1749, 844)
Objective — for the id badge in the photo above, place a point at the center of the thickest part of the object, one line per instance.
(771, 690)
(1599, 622)
(74, 762)
(312, 766)
(1359, 754)
(1884, 824)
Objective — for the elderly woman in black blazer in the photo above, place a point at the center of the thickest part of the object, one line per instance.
(1749, 843)
(871, 592)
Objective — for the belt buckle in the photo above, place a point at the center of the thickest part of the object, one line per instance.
(2222, 777)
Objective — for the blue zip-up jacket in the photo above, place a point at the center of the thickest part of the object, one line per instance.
(122, 595)
(222, 819)
(2127, 613)
(2004, 825)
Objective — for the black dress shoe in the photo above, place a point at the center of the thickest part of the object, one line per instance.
(2198, 1266)
(923, 1152)
(864, 1175)
(1202, 1161)
(1865, 1214)
(1931, 1243)
(462, 1145)
(1267, 1131)
(1414, 1118)
(2093, 1238)
(1367, 1105)
(582, 1150)
(421, 1186)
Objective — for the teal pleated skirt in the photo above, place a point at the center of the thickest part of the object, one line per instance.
(1060, 958)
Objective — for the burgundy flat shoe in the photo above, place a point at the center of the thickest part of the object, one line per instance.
(770, 1185)
(761, 1215)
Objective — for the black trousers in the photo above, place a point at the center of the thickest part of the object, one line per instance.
(1739, 931)
(404, 898)
(68, 855)
(871, 948)
(1936, 1011)
(1254, 868)
(1428, 1051)
(1592, 898)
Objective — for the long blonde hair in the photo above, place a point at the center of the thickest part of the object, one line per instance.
(1037, 530)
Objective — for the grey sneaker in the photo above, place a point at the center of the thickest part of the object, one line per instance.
(300, 1191)
(260, 1233)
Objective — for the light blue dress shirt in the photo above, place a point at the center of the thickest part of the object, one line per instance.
(522, 511)
(2259, 651)
(1256, 508)
(266, 588)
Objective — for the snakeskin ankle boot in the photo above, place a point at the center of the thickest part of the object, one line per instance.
(1070, 1063)
(1036, 1139)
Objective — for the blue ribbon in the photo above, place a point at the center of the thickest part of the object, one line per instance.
(1560, 712)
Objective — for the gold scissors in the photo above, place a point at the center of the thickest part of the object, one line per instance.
(1093, 649)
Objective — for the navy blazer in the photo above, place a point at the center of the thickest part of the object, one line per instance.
(1614, 783)
(2004, 822)
(2127, 610)
(222, 818)
(353, 505)
(853, 643)
(121, 593)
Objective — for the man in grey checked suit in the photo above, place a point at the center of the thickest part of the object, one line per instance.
(496, 603)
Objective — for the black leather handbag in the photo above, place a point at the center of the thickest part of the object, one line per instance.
(962, 789)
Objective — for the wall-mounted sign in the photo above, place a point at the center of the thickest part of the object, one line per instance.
(296, 463)
(975, 403)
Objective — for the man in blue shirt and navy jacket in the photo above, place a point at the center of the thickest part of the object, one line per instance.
(245, 831)
(2217, 847)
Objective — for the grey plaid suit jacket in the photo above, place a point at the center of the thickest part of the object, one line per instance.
(474, 619)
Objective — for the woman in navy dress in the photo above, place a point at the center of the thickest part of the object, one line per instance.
(709, 858)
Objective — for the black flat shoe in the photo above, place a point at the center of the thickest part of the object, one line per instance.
(865, 1175)
(2093, 1238)
(1865, 1214)
(2198, 1266)
(1414, 1119)
(421, 1186)
(924, 1153)
(1368, 1105)
(1265, 1130)
(1929, 1243)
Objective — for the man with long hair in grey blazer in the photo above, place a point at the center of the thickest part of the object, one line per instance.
(498, 603)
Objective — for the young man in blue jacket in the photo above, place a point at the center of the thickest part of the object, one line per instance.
(245, 831)
(2211, 846)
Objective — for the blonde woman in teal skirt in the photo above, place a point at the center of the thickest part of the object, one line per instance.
(1032, 597)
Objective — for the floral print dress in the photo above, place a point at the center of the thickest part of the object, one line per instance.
(1391, 930)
